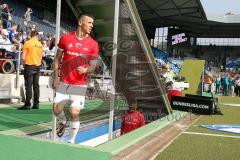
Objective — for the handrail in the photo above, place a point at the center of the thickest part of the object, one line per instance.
(147, 49)
(18, 65)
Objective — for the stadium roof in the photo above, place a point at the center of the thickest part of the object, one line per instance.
(188, 15)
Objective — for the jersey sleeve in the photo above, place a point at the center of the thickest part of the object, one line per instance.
(95, 53)
(61, 43)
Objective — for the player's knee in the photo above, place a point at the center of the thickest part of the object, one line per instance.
(56, 110)
(74, 115)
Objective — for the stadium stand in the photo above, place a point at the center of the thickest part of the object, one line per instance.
(163, 58)
(39, 18)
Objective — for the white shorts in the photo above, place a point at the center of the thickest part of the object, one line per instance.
(71, 94)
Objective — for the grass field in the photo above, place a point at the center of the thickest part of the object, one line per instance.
(205, 147)
(195, 147)
(229, 99)
(192, 71)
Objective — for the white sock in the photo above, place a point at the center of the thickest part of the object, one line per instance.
(74, 126)
(62, 118)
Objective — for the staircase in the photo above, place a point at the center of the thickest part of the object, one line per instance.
(136, 73)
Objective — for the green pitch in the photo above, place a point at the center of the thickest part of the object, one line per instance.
(205, 147)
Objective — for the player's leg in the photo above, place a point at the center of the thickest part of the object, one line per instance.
(28, 78)
(77, 105)
(60, 100)
(74, 124)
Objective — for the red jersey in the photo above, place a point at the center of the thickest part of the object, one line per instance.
(132, 120)
(76, 52)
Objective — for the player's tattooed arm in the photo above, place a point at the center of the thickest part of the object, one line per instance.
(89, 69)
(57, 60)
(92, 66)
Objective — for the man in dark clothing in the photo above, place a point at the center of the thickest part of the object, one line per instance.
(237, 83)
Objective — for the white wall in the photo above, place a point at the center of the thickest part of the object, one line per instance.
(9, 81)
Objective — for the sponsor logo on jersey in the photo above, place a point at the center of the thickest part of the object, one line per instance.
(76, 54)
(70, 45)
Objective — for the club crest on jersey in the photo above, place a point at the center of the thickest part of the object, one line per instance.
(78, 45)
(70, 45)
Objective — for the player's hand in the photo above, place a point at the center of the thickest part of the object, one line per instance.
(55, 83)
(81, 70)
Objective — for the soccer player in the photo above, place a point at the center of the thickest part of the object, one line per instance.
(78, 53)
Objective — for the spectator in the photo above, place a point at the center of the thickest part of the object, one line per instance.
(32, 57)
(208, 84)
(12, 31)
(27, 18)
(9, 22)
(231, 86)
(132, 119)
(0, 23)
(46, 50)
(226, 84)
(217, 83)
(4, 13)
(52, 43)
(237, 84)
(14, 54)
(47, 57)
(33, 27)
(4, 41)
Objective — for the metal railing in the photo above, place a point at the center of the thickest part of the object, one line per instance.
(5, 57)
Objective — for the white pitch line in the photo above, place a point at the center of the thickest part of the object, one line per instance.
(214, 135)
(231, 104)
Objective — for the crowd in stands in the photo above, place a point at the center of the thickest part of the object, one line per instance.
(169, 73)
(14, 35)
(227, 84)
(164, 60)
(223, 80)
